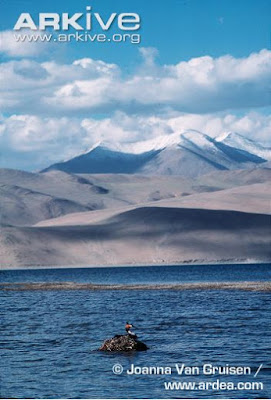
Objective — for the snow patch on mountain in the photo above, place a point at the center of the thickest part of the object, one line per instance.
(238, 141)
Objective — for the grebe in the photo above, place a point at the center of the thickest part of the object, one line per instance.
(128, 328)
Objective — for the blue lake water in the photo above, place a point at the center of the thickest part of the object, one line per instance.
(49, 339)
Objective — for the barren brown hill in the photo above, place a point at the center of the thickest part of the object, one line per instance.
(148, 235)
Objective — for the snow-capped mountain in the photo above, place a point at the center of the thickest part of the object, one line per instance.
(190, 154)
(233, 139)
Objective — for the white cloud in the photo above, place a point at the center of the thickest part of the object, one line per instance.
(31, 142)
(27, 86)
(252, 125)
(200, 85)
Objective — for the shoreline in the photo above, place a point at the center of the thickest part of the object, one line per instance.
(252, 286)
(160, 264)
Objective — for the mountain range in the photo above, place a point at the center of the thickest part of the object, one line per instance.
(181, 198)
(189, 154)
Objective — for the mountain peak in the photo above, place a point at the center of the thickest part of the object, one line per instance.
(238, 141)
(229, 135)
(103, 144)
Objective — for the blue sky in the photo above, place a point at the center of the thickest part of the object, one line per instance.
(201, 64)
(178, 28)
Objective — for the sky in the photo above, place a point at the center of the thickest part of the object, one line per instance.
(200, 64)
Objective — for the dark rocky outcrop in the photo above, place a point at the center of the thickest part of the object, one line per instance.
(123, 343)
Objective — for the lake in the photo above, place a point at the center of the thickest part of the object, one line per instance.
(49, 339)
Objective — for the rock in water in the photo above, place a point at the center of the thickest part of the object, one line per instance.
(123, 343)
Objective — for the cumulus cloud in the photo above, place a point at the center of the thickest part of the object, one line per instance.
(26, 86)
(200, 85)
(35, 142)
(252, 125)
(31, 142)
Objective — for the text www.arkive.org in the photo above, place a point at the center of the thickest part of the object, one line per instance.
(133, 38)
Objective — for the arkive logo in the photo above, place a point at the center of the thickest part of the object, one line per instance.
(127, 21)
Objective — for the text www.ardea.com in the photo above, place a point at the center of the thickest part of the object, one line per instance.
(212, 385)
